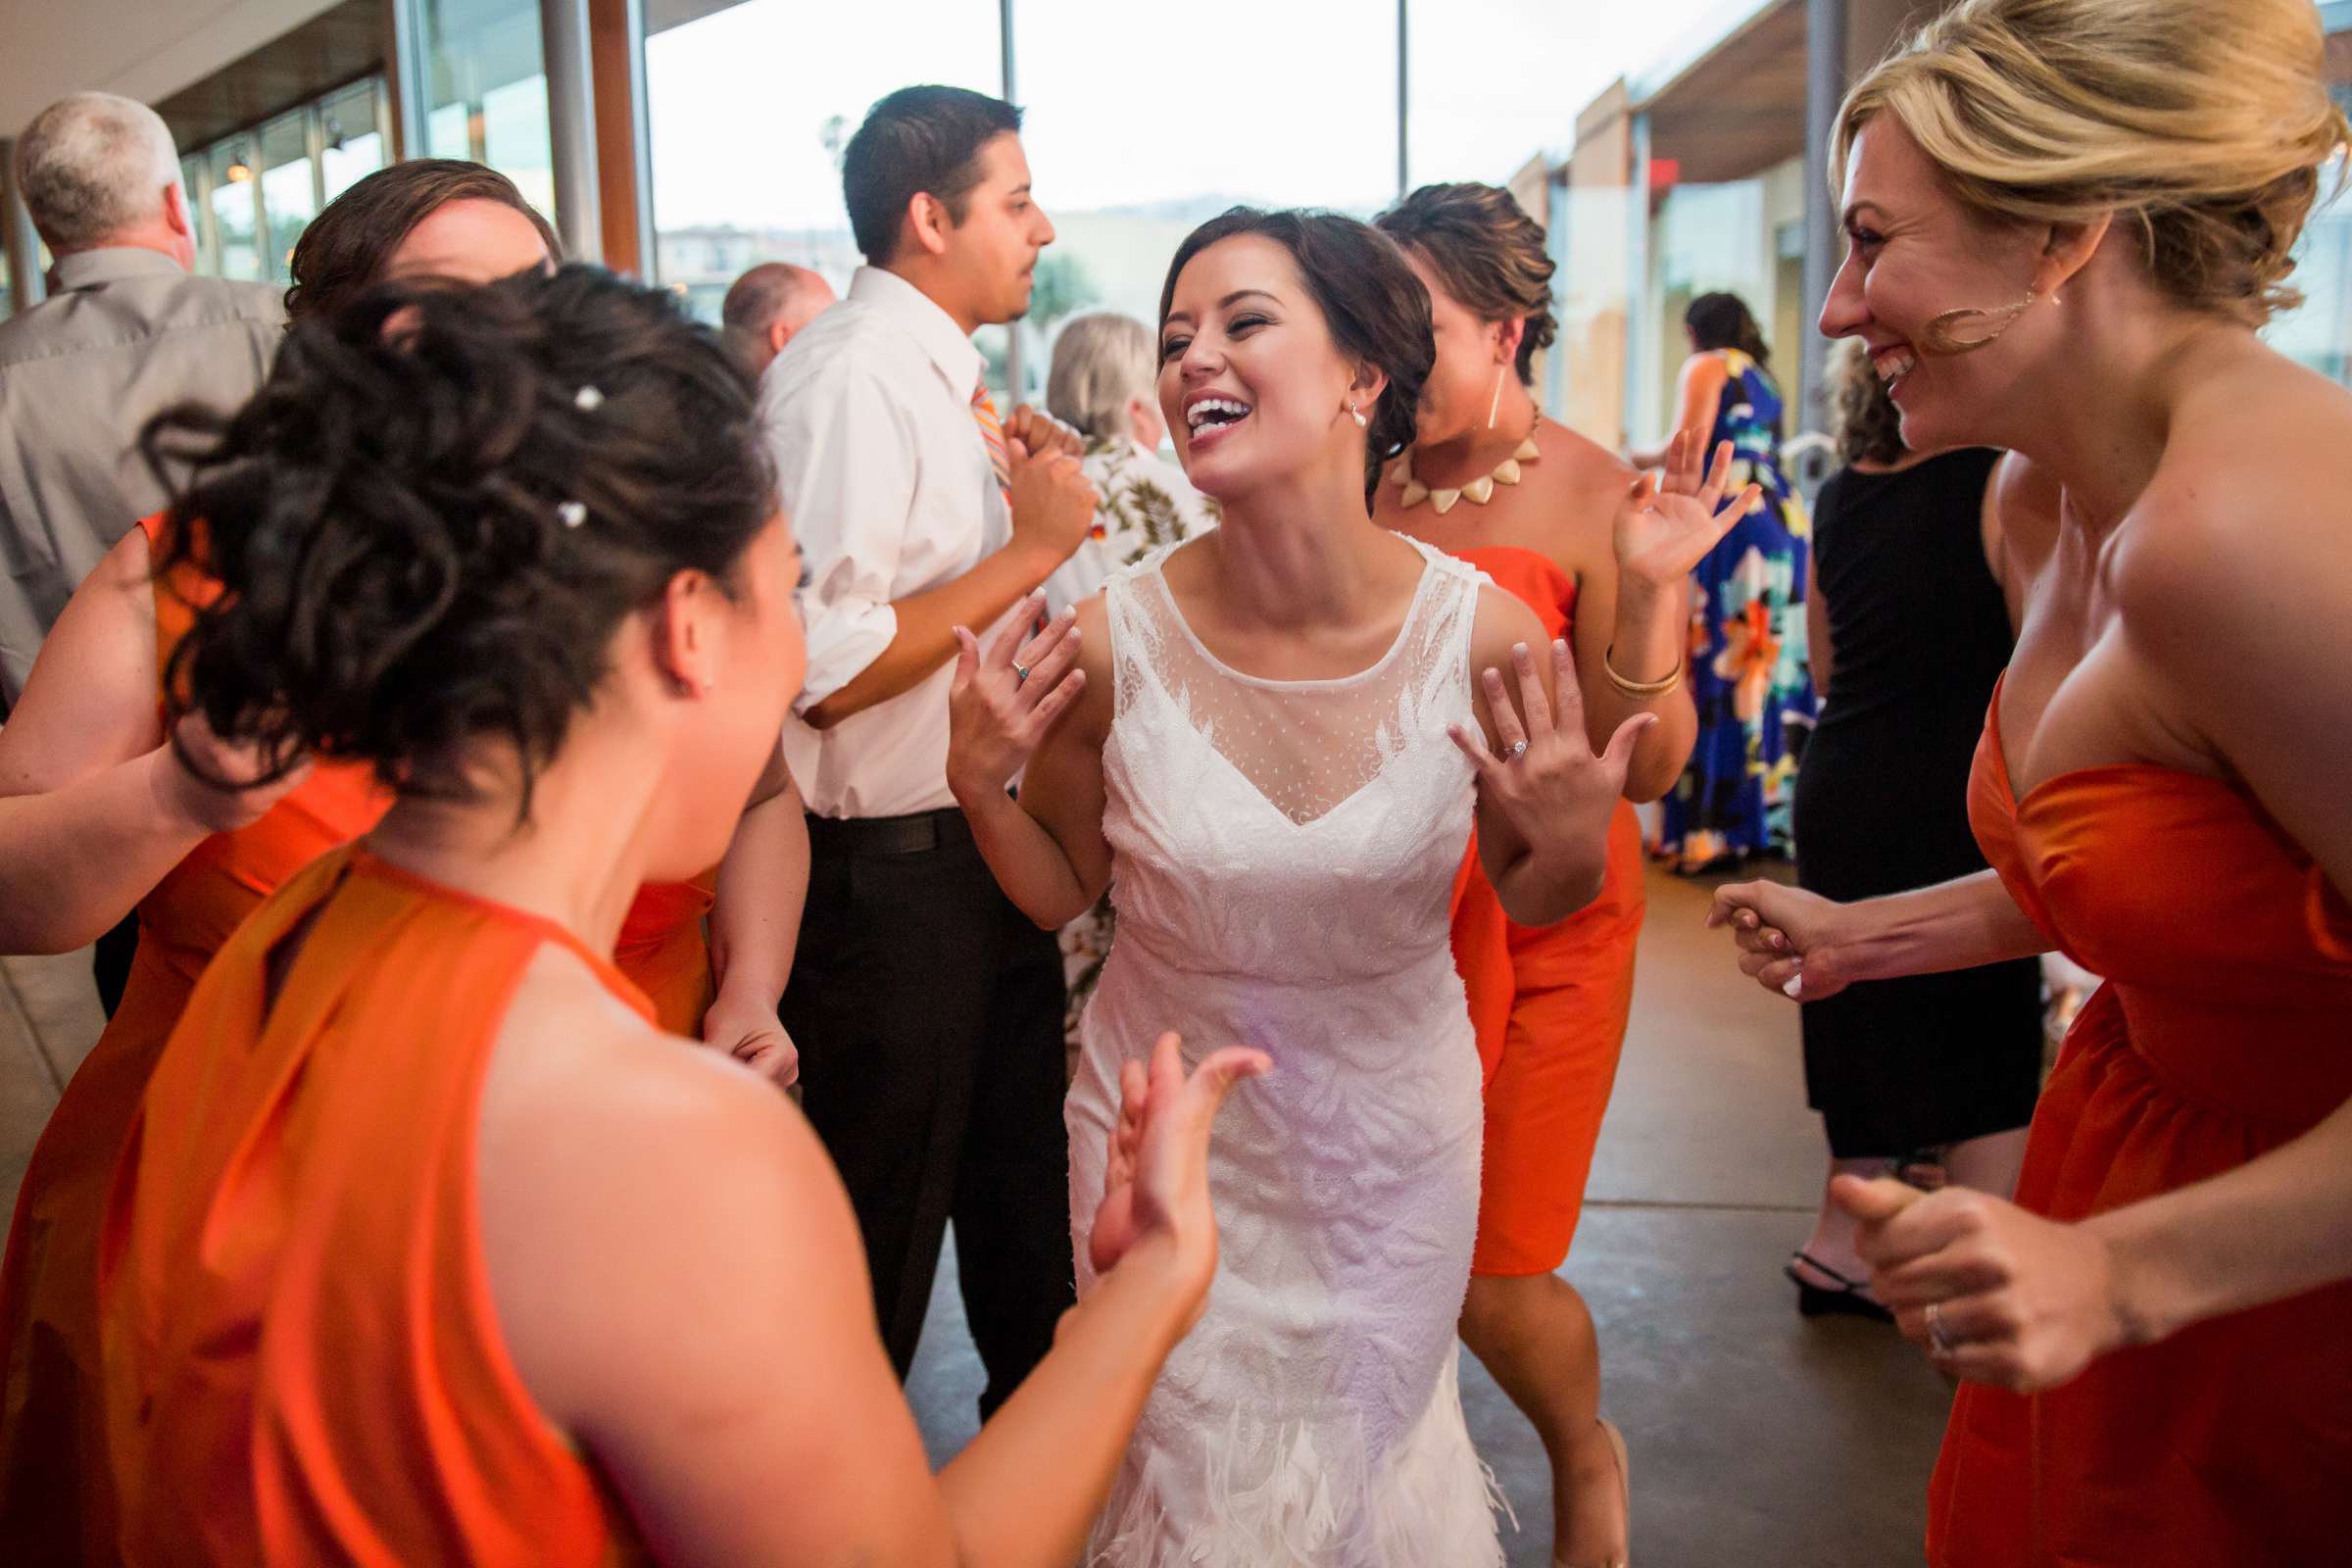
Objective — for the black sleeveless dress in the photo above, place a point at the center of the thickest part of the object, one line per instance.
(1918, 634)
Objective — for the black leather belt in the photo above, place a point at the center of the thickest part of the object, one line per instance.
(889, 835)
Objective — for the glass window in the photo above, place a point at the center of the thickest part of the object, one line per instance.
(748, 111)
(193, 184)
(236, 215)
(350, 136)
(1492, 83)
(486, 92)
(2319, 333)
(1125, 171)
(289, 194)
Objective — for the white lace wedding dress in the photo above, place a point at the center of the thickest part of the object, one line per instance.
(1285, 855)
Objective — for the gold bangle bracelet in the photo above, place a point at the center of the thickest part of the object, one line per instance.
(1638, 691)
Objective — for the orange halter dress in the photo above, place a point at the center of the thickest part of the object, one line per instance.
(304, 1363)
(53, 1493)
(1548, 1005)
(2223, 1031)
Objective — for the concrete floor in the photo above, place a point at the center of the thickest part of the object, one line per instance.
(1756, 1439)
(49, 1019)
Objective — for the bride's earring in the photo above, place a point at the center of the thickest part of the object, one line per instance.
(1941, 335)
(1360, 421)
(1495, 404)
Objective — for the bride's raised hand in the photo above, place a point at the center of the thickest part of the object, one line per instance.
(1667, 522)
(1546, 781)
(1002, 703)
(1156, 1184)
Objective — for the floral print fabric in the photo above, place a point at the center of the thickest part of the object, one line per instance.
(1747, 658)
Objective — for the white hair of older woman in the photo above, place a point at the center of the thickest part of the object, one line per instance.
(1102, 362)
(92, 166)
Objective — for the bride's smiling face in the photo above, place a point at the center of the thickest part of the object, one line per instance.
(1251, 382)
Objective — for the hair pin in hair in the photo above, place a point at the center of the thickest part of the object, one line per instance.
(574, 512)
(588, 400)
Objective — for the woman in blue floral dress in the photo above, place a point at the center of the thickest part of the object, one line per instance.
(1747, 668)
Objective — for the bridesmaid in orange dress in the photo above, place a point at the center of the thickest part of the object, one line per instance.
(1545, 513)
(2157, 1336)
(84, 762)
(428, 1245)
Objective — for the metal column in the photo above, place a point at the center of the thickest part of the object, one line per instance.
(405, 82)
(572, 127)
(1403, 102)
(1639, 320)
(1012, 329)
(26, 285)
(644, 263)
(1825, 88)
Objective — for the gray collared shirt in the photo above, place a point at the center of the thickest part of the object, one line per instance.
(124, 335)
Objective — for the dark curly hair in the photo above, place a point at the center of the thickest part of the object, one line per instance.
(1377, 309)
(1490, 254)
(343, 251)
(425, 529)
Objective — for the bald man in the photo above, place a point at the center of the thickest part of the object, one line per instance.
(766, 306)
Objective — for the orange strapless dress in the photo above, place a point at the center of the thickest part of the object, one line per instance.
(53, 1493)
(1548, 1005)
(304, 1364)
(2224, 1030)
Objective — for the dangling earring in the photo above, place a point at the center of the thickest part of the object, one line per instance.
(1495, 404)
(1938, 336)
(1360, 421)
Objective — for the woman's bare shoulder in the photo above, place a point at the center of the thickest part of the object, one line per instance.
(1574, 486)
(2257, 463)
(577, 1073)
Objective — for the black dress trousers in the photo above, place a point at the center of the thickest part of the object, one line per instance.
(929, 1013)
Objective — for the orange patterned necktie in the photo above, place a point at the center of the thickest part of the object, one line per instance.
(992, 434)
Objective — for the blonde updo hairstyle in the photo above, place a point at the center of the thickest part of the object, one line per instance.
(2204, 124)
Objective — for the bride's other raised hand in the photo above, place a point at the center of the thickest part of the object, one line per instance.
(1156, 1182)
(1002, 702)
(1544, 782)
(1668, 521)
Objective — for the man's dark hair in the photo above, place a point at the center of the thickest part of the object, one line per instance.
(917, 141)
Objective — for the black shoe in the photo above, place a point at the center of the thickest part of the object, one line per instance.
(1847, 1298)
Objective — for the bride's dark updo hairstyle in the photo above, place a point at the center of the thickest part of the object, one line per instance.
(429, 522)
(1376, 308)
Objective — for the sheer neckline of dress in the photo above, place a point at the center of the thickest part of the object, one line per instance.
(1395, 648)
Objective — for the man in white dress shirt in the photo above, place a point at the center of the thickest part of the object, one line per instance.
(927, 1010)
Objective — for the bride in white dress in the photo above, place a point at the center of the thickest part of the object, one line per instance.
(1271, 744)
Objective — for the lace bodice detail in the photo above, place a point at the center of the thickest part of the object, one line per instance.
(1300, 795)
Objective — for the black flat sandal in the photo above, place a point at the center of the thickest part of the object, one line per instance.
(1849, 1298)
